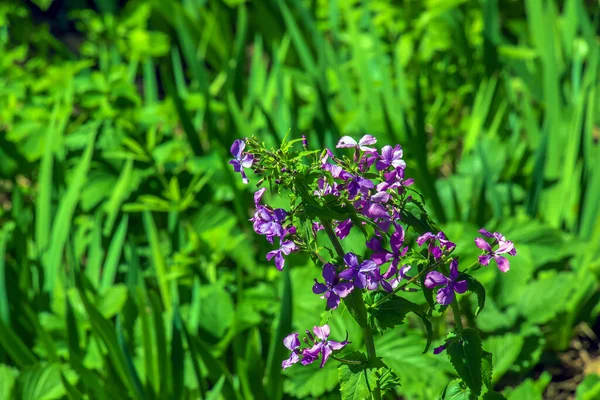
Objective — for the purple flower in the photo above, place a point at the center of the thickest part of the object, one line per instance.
(390, 157)
(348, 142)
(286, 248)
(450, 285)
(324, 347)
(266, 221)
(504, 247)
(292, 343)
(316, 227)
(357, 183)
(324, 188)
(241, 160)
(360, 274)
(342, 230)
(381, 256)
(439, 349)
(333, 288)
(432, 248)
(304, 142)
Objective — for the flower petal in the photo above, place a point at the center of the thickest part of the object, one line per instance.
(345, 142)
(482, 244)
(294, 358)
(453, 269)
(348, 274)
(322, 332)
(445, 296)
(291, 341)
(460, 287)
(333, 300)
(329, 273)
(343, 289)
(368, 265)
(439, 349)
(367, 140)
(237, 148)
(485, 233)
(485, 259)
(503, 264)
(424, 237)
(435, 278)
(351, 260)
(319, 288)
(325, 355)
(505, 247)
(258, 195)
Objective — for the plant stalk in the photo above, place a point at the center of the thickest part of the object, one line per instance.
(356, 305)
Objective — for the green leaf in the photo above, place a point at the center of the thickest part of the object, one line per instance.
(465, 355)
(392, 311)
(476, 287)
(310, 380)
(505, 350)
(487, 368)
(457, 390)
(41, 382)
(589, 388)
(8, 377)
(357, 382)
(493, 396)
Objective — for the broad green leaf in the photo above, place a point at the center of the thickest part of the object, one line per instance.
(465, 355)
(310, 380)
(487, 367)
(589, 388)
(41, 382)
(392, 311)
(357, 381)
(505, 350)
(458, 390)
(8, 377)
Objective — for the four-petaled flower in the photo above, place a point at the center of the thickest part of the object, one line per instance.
(390, 156)
(333, 288)
(241, 160)
(286, 248)
(504, 247)
(450, 285)
(348, 142)
(360, 274)
(324, 347)
(292, 343)
(432, 248)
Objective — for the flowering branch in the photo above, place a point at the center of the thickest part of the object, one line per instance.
(367, 191)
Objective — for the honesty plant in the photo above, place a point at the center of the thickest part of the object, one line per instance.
(365, 189)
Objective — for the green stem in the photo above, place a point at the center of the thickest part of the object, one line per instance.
(356, 305)
(456, 314)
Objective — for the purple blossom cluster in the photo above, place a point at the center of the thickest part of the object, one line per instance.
(373, 188)
(319, 345)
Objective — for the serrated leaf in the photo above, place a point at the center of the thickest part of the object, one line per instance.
(457, 390)
(310, 380)
(465, 355)
(392, 312)
(487, 367)
(493, 396)
(357, 382)
(387, 379)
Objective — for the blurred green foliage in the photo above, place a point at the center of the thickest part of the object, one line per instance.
(128, 268)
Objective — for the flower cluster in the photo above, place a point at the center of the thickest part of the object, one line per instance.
(319, 345)
(367, 191)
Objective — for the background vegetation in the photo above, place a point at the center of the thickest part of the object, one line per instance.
(128, 268)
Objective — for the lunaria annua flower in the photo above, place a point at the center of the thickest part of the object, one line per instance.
(241, 160)
(435, 251)
(360, 274)
(333, 290)
(286, 248)
(324, 347)
(504, 247)
(348, 142)
(293, 344)
(450, 285)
